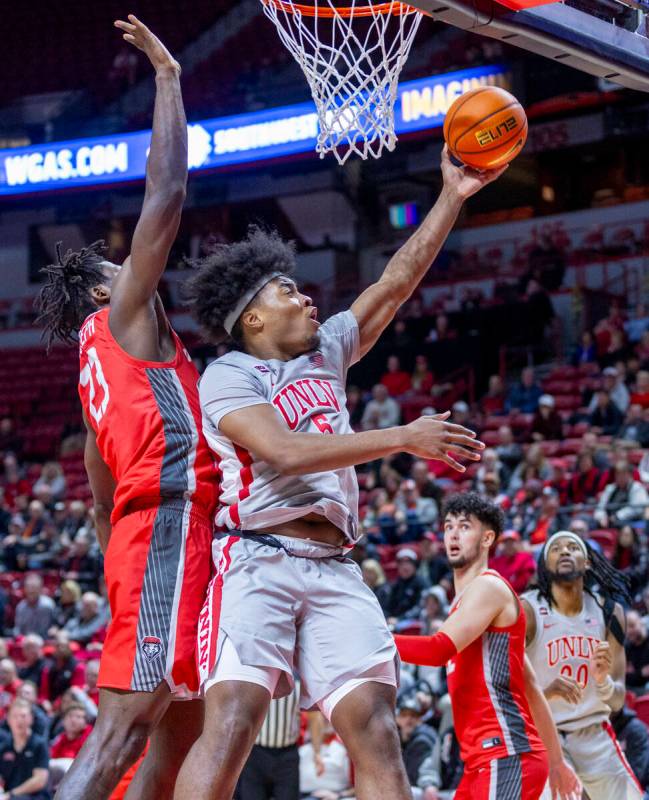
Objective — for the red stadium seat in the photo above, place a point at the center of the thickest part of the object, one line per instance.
(606, 538)
(570, 446)
(550, 448)
(490, 438)
(567, 402)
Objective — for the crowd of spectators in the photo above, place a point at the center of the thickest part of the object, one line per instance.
(53, 619)
(566, 450)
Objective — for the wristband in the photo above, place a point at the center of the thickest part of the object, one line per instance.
(606, 690)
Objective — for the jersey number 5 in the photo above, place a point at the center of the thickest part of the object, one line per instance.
(320, 421)
(86, 378)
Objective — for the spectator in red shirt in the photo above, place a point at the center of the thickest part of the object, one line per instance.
(588, 481)
(396, 381)
(76, 730)
(494, 401)
(605, 328)
(13, 482)
(548, 518)
(560, 480)
(65, 748)
(512, 562)
(9, 684)
(422, 377)
(640, 396)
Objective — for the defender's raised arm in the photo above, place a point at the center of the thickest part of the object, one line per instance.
(166, 180)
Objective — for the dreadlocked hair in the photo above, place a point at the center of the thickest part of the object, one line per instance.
(609, 582)
(228, 271)
(64, 301)
(472, 504)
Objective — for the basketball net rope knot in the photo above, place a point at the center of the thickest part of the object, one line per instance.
(352, 57)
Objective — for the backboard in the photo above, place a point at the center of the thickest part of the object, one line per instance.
(595, 36)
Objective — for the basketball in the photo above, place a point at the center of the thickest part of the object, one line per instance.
(485, 128)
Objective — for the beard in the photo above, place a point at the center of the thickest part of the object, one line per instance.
(567, 577)
(465, 560)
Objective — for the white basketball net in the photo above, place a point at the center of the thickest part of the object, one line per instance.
(352, 61)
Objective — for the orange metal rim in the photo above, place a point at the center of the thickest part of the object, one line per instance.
(326, 11)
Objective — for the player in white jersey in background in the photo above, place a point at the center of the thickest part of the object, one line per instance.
(284, 595)
(575, 642)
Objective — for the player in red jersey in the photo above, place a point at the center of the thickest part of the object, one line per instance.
(152, 476)
(498, 709)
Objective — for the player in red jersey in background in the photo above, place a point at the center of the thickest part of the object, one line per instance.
(152, 476)
(502, 720)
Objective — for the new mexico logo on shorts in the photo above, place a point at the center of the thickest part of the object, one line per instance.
(151, 647)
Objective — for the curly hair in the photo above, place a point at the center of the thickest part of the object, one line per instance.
(225, 274)
(472, 504)
(64, 301)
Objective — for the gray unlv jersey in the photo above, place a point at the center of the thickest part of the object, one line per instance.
(308, 395)
(563, 646)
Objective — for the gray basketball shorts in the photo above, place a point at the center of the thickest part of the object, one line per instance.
(293, 605)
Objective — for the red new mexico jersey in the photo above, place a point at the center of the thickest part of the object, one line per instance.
(147, 419)
(487, 687)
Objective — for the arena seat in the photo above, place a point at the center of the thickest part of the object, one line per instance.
(567, 402)
(569, 447)
(566, 372)
(490, 438)
(606, 538)
(493, 422)
(550, 448)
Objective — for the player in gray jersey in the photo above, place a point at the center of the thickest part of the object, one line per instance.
(575, 642)
(285, 596)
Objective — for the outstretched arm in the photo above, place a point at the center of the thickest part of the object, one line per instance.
(377, 305)
(259, 429)
(166, 179)
(482, 602)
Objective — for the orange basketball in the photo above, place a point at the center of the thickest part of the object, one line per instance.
(485, 128)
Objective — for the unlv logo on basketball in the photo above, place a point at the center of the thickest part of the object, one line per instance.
(151, 647)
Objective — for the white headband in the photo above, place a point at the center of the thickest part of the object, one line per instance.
(568, 535)
(231, 319)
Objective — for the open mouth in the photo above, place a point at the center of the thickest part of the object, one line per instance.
(313, 315)
(568, 562)
(454, 551)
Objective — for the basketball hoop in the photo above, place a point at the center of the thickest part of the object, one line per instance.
(352, 56)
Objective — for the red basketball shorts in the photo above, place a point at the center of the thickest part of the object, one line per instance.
(157, 569)
(519, 777)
